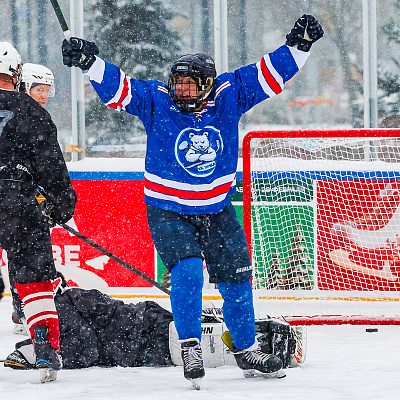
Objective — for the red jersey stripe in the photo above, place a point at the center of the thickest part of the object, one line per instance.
(188, 194)
(123, 95)
(273, 84)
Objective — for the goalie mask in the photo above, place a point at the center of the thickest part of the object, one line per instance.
(191, 81)
(10, 62)
(36, 74)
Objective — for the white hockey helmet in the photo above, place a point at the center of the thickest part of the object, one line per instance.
(36, 74)
(10, 61)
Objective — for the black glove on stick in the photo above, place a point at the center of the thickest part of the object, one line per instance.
(79, 53)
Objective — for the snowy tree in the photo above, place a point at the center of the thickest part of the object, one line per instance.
(134, 35)
(299, 268)
(389, 71)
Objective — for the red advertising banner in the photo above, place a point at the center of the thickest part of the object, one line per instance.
(112, 213)
(358, 235)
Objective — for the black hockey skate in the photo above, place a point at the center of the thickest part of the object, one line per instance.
(18, 327)
(255, 362)
(48, 360)
(193, 369)
(23, 357)
(18, 315)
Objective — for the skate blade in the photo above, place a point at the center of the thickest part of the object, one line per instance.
(47, 375)
(196, 383)
(252, 373)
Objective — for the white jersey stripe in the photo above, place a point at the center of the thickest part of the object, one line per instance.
(118, 94)
(38, 306)
(41, 318)
(128, 97)
(300, 57)
(162, 89)
(263, 82)
(37, 294)
(273, 71)
(222, 87)
(96, 71)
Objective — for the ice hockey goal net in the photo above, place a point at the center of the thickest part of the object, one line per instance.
(322, 220)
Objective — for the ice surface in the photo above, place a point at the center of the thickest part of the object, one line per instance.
(343, 362)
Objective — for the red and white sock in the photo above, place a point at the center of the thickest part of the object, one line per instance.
(40, 309)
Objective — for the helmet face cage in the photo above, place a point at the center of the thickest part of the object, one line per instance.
(200, 67)
(36, 74)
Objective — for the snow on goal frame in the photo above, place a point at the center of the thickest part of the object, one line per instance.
(322, 220)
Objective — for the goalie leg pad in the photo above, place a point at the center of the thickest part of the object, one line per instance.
(215, 354)
(276, 337)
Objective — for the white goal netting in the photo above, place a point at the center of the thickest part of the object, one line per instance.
(323, 218)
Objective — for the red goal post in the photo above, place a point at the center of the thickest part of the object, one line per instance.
(322, 221)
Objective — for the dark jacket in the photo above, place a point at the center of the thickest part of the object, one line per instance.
(110, 332)
(30, 154)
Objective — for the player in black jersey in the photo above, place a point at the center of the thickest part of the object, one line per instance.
(30, 156)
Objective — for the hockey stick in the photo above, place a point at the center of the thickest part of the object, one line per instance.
(115, 258)
(41, 199)
(61, 19)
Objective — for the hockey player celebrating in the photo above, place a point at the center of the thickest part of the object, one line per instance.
(191, 161)
(30, 156)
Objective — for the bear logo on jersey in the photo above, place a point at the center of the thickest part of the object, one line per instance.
(197, 150)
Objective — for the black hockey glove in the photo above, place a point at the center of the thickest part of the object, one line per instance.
(306, 31)
(53, 214)
(48, 212)
(79, 53)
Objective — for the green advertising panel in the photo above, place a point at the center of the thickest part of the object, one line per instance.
(283, 246)
(284, 190)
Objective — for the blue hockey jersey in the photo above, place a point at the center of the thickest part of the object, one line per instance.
(191, 158)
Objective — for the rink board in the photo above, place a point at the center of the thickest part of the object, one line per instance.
(308, 204)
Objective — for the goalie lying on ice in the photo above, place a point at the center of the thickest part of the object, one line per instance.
(97, 330)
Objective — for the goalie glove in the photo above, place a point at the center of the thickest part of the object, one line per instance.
(79, 53)
(306, 31)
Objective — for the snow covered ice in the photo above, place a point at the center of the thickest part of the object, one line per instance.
(343, 362)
